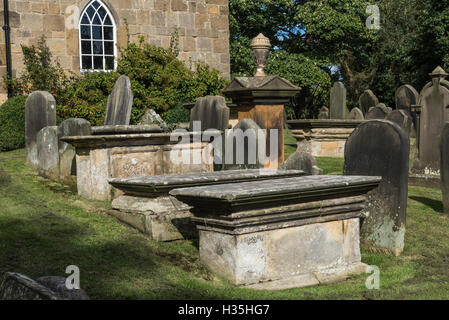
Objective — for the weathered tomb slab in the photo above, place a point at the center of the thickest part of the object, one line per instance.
(147, 205)
(381, 148)
(40, 112)
(249, 232)
(322, 138)
(120, 102)
(125, 129)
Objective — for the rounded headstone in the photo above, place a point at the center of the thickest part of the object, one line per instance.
(212, 111)
(367, 100)
(378, 112)
(356, 114)
(304, 161)
(381, 148)
(47, 153)
(324, 113)
(402, 119)
(40, 112)
(405, 97)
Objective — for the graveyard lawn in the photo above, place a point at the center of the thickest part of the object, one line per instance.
(45, 227)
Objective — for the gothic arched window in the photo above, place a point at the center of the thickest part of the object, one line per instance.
(97, 38)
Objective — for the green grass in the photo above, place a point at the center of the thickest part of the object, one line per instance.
(44, 227)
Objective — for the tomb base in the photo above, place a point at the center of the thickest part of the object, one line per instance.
(310, 254)
(323, 138)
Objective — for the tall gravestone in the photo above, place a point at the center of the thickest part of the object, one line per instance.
(67, 161)
(367, 100)
(212, 111)
(434, 99)
(40, 112)
(381, 148)
(356, 114)
(120, 102)
(338, 109)
(47, 152)
(444, 172)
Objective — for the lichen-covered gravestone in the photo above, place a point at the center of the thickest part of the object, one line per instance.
(304, 161)
(212, 111)
(120, 102)
(434, 99)
(378, 112)
(152, 118)
(444, 172)
(367, 100)
(356, 114)
(67, 161)
(381, 148)
(338, 109)
(47, 153)
(40, 112)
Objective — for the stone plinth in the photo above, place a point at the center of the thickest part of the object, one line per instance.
(323, 138)
(262, 100)
(147, 206)
(101, 157)
(288, 233)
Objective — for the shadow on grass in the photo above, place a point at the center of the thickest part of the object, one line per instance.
(436, 205)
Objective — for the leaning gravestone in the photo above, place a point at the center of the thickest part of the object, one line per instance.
(356, 114)
(338, 109)
(378, 112)
(243, 154)
(40, 112)
(444, 171)
(381, 148)
(433, 100)
(47, 153)
(67, 161)
(324, 114)
(212, 111)
(120, 102)
(304, 161)
(367, 100)
(402, 119)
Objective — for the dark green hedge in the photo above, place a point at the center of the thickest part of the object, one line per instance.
(12, 124)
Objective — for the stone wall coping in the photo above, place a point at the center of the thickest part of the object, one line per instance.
(279, 190)
(163, 184)
(312, 123)
(122, 129)
(126, 140)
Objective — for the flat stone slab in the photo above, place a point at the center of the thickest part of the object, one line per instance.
(162, 184)
(280, 189)
(123, 129)
(324, 123)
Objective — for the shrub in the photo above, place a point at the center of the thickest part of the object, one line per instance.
(12, 124)
(177, 114)
(40, 73)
